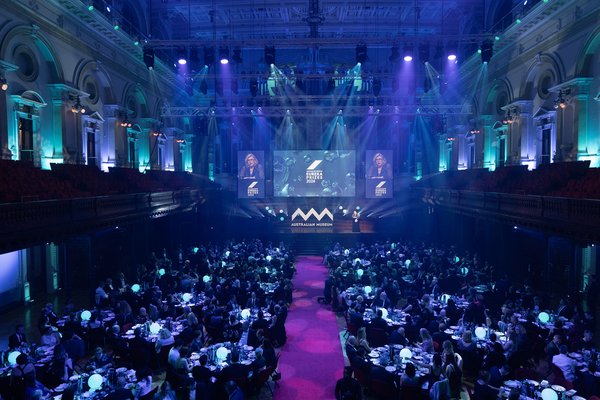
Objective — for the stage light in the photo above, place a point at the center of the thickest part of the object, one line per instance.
(270, 55)
(518, 21)
(182, 56)
(116, 25)
(3, 84)
(451, 57)
(135, 288)
(90, 6)
(161, 271)
(341, 207)
(209, 56)
(149, 57)
(361, 54)
(408, 52)
(224, 55)
(487, 51)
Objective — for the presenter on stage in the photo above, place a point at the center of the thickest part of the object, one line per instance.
(380, 168)
(251, 168)
(355, 221)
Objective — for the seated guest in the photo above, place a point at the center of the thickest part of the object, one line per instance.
(566, 364)
(500, 375)
(409, 376)
(426, 341)
(175, 354)
(17, 339)
(165, 338)
(449, 388)
(380, 373)
(101, 296)
(259, 361)
(378, 322)
(120, 392)
(99, 360)
(253, 301)
(165, 392)
(482, 390)
(232, 331)
(495, 357)
(466, 343)
(553, 348)
(352, 347)
(144, 382)
(139, 349)
(269, 353)
(587, 383)
(382, 302)
(234, 371)
(50, 338)
(142, 316)
(202, 373)
(355, 318)
(587, 342)
(398, 337)
(440, 336)
(363, 344)
(60, 368)
(233, 391)
(348, 388)
(261, 322)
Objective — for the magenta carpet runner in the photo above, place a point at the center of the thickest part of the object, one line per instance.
(311, 360)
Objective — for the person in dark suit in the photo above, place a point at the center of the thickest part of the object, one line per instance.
(253, 301)
(140, 350)
(398, 337)
(120, 393)
(261, 322)
(383, 301)
(234, 371)
(379, 322)
(17, 339)
(202, 373)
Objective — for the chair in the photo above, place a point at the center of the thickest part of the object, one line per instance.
(411, 392)
(377, 337)
(559, 378)
(275, 372)
(360, 376)
(527, 373)
(383, 389)
(260, 379)
(150, 395)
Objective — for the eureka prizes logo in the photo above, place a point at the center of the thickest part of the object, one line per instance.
(253, 189)
(380, 189)
(312, 173)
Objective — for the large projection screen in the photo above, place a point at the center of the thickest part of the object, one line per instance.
(314, 173)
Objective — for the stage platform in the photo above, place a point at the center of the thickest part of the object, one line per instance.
(318, 243)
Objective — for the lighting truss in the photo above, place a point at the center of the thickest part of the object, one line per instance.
(280, 111)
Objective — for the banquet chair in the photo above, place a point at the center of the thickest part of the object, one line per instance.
(276, 375)
(382, 389)
(360, 376)
(150, 395)
(377, 337)
(408, 392)
(260, 379)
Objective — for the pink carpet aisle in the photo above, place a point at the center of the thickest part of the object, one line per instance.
(311, 360)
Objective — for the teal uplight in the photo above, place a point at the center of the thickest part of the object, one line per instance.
(544, 317)
(496, 38)
(195, 249)
(135, 288)
(518, 21)
(91, 7)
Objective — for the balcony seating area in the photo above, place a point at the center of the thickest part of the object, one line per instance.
(565, 179)
(22, 182)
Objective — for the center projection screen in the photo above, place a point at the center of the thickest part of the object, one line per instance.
(314, 173)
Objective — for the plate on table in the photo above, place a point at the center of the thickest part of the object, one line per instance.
(248, 348)
(374, 354)
(453, 327)
(61, 388)
(578, 398)
(246, 362)
(532, 382)
(74, 378)
(390, 368)
(121, 370)
(212, 367)
(576, 356)
(512, 384)
(418, 357)
(449, 331)
(194, 356)
(558, 388)
(375, 361)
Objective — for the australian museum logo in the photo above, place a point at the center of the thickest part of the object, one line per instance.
(312, 214)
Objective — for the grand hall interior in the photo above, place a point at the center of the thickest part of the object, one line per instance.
(300, 199)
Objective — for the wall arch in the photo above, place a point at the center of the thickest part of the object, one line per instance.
(135, 100)
(92, 78)
(585, 64)
(32, 36)
(500, 94)
(544, 66)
